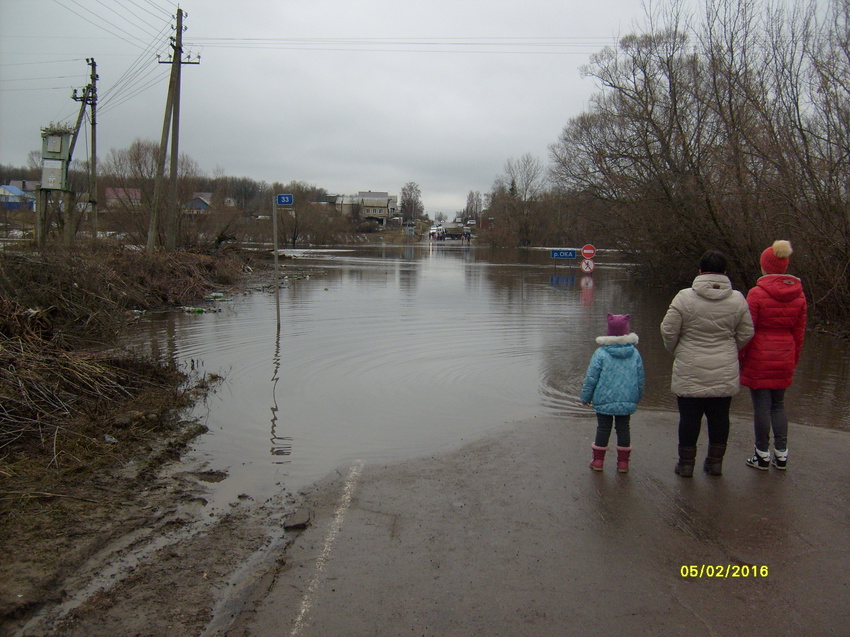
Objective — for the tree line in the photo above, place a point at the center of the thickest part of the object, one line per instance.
(723, 130)
(240, 207)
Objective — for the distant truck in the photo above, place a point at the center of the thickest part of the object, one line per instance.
(450, 231)
(454, 230)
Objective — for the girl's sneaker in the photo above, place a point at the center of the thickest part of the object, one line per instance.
(780, 459)
(760, 460)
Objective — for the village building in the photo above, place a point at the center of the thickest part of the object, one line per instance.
(375, 206)
(14, 198)
(127, 198)
(202, 201)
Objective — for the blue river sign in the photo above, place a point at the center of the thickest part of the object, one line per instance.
(562, 253)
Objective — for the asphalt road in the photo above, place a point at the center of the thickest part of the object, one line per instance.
(515, 535)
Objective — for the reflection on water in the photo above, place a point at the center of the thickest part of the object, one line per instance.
(280, 445)
(388, 352)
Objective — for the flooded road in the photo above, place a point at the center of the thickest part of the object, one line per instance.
(387, 353)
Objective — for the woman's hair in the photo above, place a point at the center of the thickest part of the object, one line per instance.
(713, 262)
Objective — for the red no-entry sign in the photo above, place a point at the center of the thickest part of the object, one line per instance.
(588, 251)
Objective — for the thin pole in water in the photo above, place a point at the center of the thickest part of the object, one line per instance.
(276, 275)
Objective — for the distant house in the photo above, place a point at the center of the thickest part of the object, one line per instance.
(203, 200)
(200, 201)
(13, 198)
(29, 186)
(378, 206)
(123, 197)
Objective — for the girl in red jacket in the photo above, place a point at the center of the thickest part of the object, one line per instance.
(778, 307)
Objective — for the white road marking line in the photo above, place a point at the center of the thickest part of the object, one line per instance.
(324, 556)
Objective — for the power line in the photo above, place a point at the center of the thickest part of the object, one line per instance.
(166, 12)
(103, 4)
(99, 26)
(466, 40)
(44, 88)
(135, 70)
(135, 79)
(139, 89)
(534, 45)
(148, 11)
(45, 62)
(38, 79)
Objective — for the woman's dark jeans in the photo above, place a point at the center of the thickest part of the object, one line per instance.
(716, 412)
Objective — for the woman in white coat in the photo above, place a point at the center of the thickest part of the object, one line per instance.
(705, 326)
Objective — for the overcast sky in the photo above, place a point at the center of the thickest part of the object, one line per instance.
(347, 95)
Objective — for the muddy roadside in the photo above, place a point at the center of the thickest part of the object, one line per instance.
(149, 562)
(99, 516)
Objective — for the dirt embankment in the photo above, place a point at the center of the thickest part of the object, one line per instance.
(88, 492)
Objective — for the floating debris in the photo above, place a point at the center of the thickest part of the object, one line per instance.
(216, 297)
(198, 310)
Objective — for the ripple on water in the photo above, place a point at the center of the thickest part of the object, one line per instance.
(403, 352)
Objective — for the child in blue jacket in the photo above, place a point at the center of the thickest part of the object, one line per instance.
(614, 386)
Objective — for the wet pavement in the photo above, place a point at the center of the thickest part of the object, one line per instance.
(515, 535)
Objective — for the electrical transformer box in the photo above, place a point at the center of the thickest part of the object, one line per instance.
(55, 150)
(53, 174)
(56, 145)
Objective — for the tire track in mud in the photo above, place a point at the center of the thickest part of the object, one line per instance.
(182, 570)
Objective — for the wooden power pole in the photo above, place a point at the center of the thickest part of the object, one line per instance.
(171, 122)
(93, 167)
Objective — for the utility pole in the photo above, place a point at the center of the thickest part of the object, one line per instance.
(153, 229)
(88, 98)
(68, 194)
(172, 122)
(93, 167)
(171, 211)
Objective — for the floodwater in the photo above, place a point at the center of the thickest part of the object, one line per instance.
(384, 353)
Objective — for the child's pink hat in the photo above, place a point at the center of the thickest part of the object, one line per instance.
(618, 324)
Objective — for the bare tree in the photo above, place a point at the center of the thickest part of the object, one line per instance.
(814, 117)
(306, 219)
(523, 182)
(132, 171)
(726, 134)
(474, 206)
(652, 147)
(410, 201)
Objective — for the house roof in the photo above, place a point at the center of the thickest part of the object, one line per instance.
(369, 199)
(198, 199)
(373, 194)
(13, 191)
(27, 185)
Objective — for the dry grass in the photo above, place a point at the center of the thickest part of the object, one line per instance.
(65, 393)
(87, 297)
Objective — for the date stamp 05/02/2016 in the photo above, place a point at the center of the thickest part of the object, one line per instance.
(724, 570)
